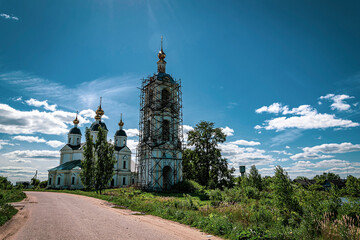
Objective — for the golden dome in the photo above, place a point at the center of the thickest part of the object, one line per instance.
(121, 123)
(97, 117)
(99, 111)
(76, 121)
(161, 55)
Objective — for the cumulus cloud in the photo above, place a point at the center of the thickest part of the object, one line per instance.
(338, 101)
(306, 117)
(29, 139)
(7, 16)
(237, 155)
(186, 130)
(245, 143)
(5, 142)
(322, 164)
(281, 152)
(29, 122)
(319, 151)
(55, 143)
(132, 132)
(228, 131)
(37, 103)
(31, 154)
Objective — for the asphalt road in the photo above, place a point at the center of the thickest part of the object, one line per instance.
(46, 215)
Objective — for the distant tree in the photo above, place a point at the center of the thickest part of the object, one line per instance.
(352, 186)
(105, 160)
(43, 184)
(301, 178)
(255, 178)
(87, 172)
(5, 184)
(35, 182)
(284, 192)
(320, 179)
(204, 163)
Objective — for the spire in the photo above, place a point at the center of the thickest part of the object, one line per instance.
(76, 121)
(121, 123)
(99, 111)
(161, 55)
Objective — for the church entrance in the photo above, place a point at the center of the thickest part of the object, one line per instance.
(112, 183)
(166, 177)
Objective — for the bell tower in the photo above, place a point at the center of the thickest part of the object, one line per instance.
(159, 151)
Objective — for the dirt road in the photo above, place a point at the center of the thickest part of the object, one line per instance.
(46, 215)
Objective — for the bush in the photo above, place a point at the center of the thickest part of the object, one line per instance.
(189, 186)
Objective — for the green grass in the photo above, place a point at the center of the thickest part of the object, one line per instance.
(240, 213)
(7, 196)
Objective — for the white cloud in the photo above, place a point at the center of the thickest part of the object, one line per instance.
(245, 143)
(281, 152)
(55, 143)
(308, 118)
(132, 132)
(5, 142)
(29, 139)
(228, 131)
(31, 154)
(273, 108)
(244, 155)
(338, 101)
(314, 152)
(7, 16)
(37, 103)
(186, 130)
(323, 164)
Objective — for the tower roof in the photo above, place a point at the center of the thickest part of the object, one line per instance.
(95, 126)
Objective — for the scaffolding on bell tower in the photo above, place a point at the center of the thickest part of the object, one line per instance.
(159, 153)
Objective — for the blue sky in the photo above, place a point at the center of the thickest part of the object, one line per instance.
(281, 77)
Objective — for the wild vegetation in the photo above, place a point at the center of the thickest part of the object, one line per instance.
(8, 194)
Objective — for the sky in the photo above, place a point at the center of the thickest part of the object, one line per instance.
(282, 78)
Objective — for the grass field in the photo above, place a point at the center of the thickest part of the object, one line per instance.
(7, 196)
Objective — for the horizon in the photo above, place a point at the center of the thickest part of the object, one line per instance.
(282, 79)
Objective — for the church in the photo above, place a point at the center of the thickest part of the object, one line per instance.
(67, 174)
(159, 152)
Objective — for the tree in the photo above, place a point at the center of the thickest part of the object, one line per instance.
(87, 164)
(352, 186)
(35, 182)
(5, 184)
(255, 178)
(105, 160)
(320, 179)
(284, 192)
(204, 163)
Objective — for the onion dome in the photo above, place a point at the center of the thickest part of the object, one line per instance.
(97, 117)
(76, 121)
(95, 126)
(75, 130)
(99, 112)
(121, 132)
(161, 54)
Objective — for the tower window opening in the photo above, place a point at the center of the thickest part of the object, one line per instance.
(166, 130)
(124, 165)
(78, 141)
(165, 96)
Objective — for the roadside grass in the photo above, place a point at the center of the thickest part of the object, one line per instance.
(7, 196)
(243, 213)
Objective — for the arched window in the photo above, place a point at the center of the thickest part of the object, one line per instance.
(151, 95)
(124, 181)
(72, 180)
(78, 141)
(59, 181)
(124, 165)
(69, 140)
(165, 96)
(166, 130)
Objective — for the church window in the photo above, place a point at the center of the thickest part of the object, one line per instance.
(124, 165)
(165, 130)
(147, 129)
(78, 141)
(124, 142)
(69, 140)
(165, 96)
(73, 180)
(59, 181)
(151, 94)
(124, 181)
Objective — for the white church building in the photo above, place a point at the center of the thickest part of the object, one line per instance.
(67, 174)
